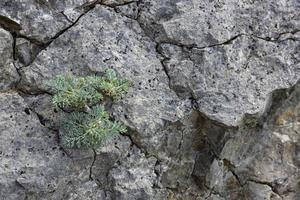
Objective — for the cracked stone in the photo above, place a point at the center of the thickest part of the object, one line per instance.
(135, 177)
(112, 151)
(258, 155)
(149, 105)
(39, 20)
(32, 164)
(118, 2)
(207, 115)
(232, 80)
(9, 75)
(204, 23)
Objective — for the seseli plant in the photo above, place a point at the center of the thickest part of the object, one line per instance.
(77, 92)
(89, 129)
(90, 124)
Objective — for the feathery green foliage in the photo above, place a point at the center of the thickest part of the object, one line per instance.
(90, 128)
(112, 86)
(74, 92)
(78, 92)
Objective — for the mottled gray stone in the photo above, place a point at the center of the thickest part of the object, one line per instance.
(32, 164)
(231, 80)
(9, 75)
(130, 10)
(201, 117)
(261, 191)
(113, 150)
(153, 13)
(88, 191)
(26, 51)
(266, 155)
(135, 178)
(116, 42)
(43, 107)
(39, 20)
(203, 23)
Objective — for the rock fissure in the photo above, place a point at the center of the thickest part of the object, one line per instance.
(270, 185)
(113, 5)
(92, 165)
(9, 25)
(229, 41)
(66, 17)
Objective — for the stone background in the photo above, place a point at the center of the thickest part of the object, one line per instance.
(214, 111)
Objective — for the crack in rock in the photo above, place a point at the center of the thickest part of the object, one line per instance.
(269, 184)
(92, 165)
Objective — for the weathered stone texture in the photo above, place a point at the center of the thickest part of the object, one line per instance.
(9, 76)
(213, 112)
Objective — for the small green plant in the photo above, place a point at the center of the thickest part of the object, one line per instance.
(89, 129)
(112, 86)
(78, 92)
(73, 92)
(90, 126)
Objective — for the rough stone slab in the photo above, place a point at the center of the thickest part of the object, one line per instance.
(231, 80)
(198, 68)
(265, 158)
(32, 164)
(103, 39)
(135, 178)
(204, 23)
(8, 75)
(112, 151)
(39, 20)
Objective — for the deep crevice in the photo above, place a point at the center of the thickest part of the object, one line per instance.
(114, 5)
(9, 24)
(43, 45)
(164, 67)
(269, 184)
(14, 45)
(66, 17)
(61, 32)
(92, 165)
(229, 41)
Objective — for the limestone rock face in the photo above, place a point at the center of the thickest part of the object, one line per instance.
(212, 113)
(205, 23)
(122, 49)
(32, 163)
(262, 162)
(9, 76)
(135, 178)
(39, 20)
(231, 80)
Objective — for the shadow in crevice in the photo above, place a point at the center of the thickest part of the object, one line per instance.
(208, 145)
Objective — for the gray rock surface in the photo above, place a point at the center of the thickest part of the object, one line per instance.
(213, 112)
(206, 23)
(135, 178)
(39, 20)
(9, 75)
(121, 49)
(262, 162)
(231, 80)
(32, 164)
